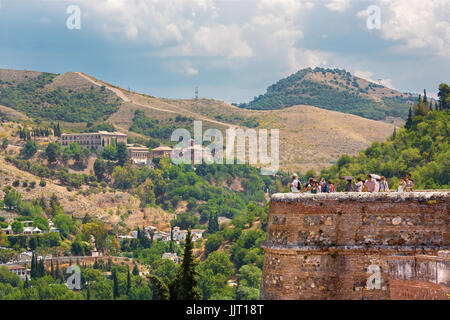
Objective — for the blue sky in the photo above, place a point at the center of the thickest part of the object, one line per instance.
(232, 50)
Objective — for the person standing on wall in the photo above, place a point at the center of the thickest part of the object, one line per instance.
(370, 184)
(309, 186)
(348, 186)
(295, 184)
(359, 185)
(401, 185)
(331, 186)
(384, 186)
(409, 183)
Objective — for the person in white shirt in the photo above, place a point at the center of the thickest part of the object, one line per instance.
(295, 184)
(384, 186)
(359, 185)
(377, 185)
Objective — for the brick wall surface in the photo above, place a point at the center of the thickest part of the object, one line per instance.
(350, 245)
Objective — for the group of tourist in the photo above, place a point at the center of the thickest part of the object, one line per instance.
(373, 183)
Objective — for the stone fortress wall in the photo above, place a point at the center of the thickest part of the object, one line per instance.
(357, 246)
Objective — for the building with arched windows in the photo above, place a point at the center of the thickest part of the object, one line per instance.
(94, 141)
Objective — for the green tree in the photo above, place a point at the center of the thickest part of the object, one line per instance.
(110, 152)
(128, 281)
(122, 153)
(184, 286)
(116, 293)
(13, 199)
(78, 153)
(444, 96)
(161, 287)
(65, 224)
(250, 276)
(98, 230)
(135, 270)
(215, 271)
(6, 255)
(99, 169)
(421, 107)
(53, 151)
(5, 143)
(124, 178)
(408, 123)
(29, 149)
(213, 223)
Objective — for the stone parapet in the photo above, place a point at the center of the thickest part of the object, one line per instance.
(327, 246)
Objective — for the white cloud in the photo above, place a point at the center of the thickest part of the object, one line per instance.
(369, 77)
(191, 29)
(423, 27)
(338, 5)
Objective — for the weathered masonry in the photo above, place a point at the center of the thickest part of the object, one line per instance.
(357, 246)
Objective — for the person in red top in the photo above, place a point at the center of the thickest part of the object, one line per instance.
(331, 185)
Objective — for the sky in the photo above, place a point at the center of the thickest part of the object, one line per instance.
(231, 49)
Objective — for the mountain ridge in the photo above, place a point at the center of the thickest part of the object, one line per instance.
(334, 89)
(305, 131)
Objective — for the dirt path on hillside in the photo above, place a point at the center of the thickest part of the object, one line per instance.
(126, 98)
(118, 92)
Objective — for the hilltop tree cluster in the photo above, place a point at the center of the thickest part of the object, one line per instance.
(420, 148)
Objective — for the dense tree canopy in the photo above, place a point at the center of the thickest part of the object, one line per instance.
(422, 148)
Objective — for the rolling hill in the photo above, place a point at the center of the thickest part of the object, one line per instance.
(311, 137)
(334, 89)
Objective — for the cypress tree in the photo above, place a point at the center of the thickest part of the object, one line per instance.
(88, 294)
(184, 285)
(58, 274)
(41, 268)
(161, 287)
(408, 123)
(171, 246)
(52, 271)
(135, 270)
(116, 285)
(109, 264)
(213, 223)
(26, 284)
(128, 281)
(34, 273)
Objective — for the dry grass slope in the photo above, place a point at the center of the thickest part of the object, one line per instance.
(311, 138)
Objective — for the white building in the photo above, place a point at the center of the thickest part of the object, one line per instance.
(197, 234)
(8, 230)
(171, 256)
(28, 230)
(164, 236)
(122, 237)
(22, 272)
(53, 229)
(180, 235)
(150, 228)
(24, 256)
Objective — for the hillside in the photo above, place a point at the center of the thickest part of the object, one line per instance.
(421, 147)
(334, 89)
(312, 138)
